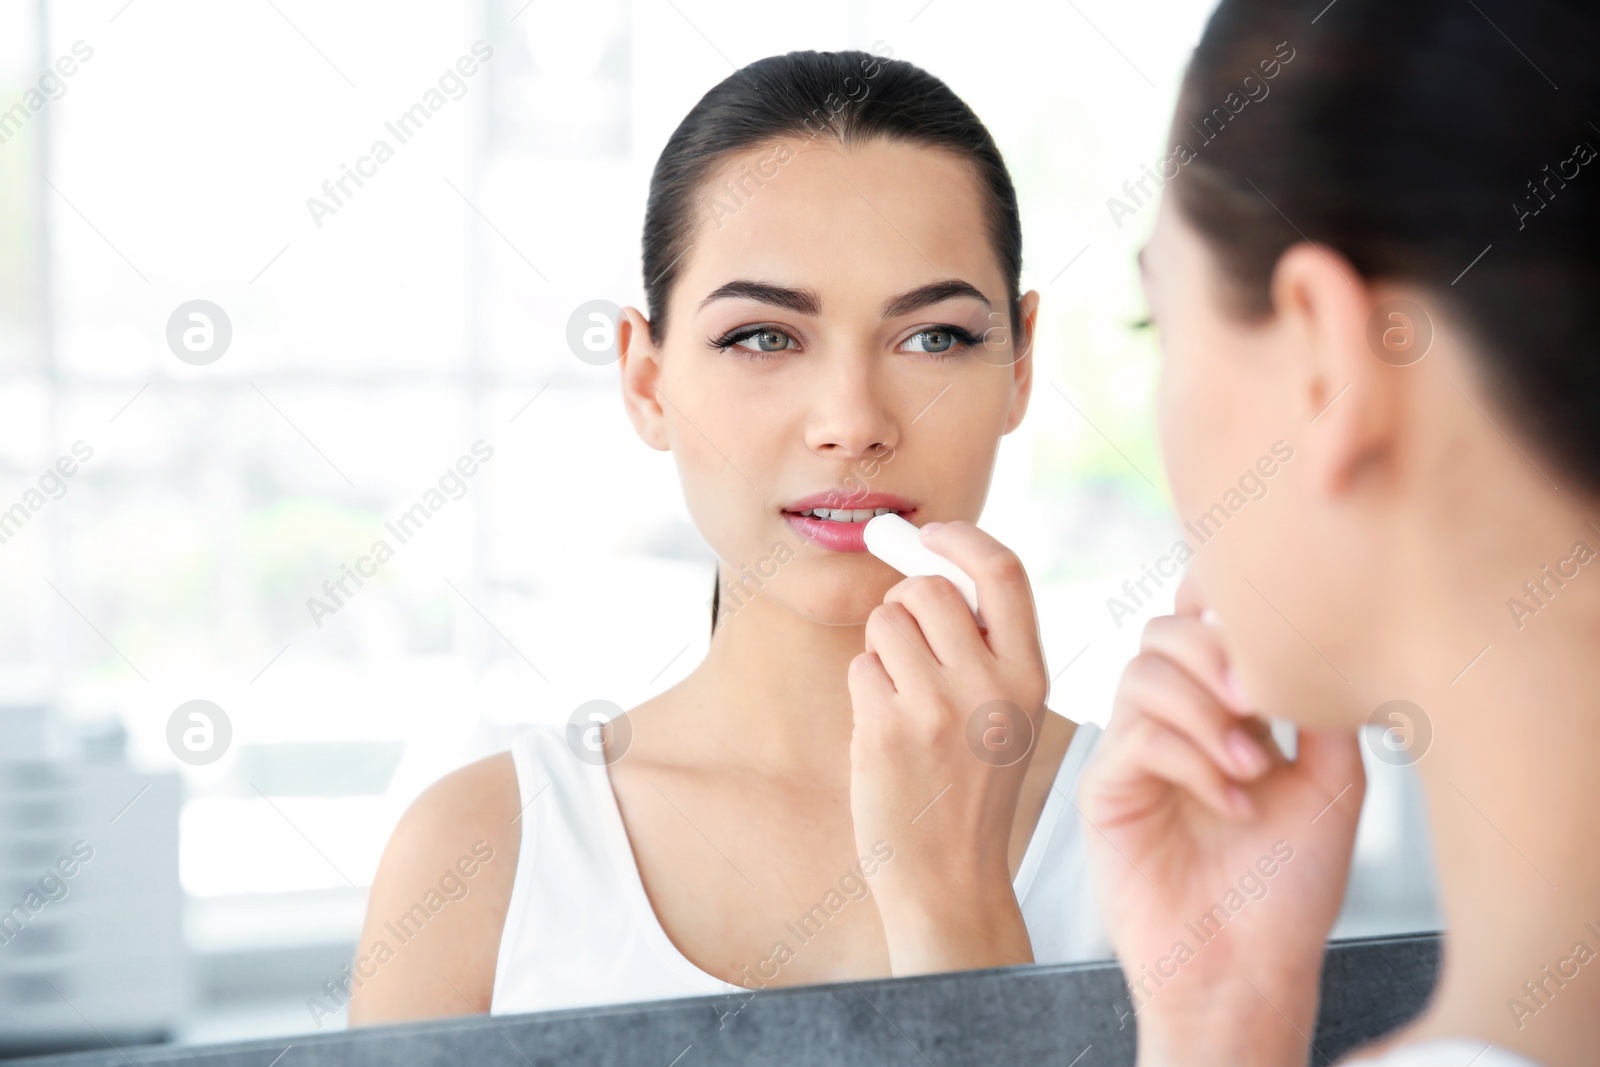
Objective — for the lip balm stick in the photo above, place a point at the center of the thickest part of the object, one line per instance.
(896, 542)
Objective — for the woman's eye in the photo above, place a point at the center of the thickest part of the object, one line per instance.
(770, 340)
(759, 341)
(940, 340)
(755, 341)
(933, 341)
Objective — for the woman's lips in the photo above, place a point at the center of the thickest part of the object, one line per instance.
(834, 536)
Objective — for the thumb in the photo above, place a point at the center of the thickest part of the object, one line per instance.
(1332, 759)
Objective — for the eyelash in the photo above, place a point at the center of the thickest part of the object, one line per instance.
(964, 339)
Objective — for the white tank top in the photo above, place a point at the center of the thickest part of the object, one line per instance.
(1446, 1052)
(580, 930)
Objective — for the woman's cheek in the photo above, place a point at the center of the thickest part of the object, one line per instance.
(1176, 432)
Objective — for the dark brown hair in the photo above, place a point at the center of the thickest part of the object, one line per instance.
(1416, 139)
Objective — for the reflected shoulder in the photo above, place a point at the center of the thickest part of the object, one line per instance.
(439, 899)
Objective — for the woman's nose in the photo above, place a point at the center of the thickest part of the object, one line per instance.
(850, 415)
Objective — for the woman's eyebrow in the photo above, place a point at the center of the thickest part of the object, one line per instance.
(924, 295)
(802, 301)
(806, 301)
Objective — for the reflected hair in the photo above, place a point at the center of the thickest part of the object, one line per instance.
(1414, 140)
(849, 97)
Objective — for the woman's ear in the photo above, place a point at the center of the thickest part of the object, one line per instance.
(641, 369)
(1022, 361)
(1351, 396)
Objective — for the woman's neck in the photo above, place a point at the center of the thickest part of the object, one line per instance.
(772, 689)
(1513, 783)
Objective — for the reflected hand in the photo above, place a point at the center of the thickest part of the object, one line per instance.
(1218, 865)
(917, 784)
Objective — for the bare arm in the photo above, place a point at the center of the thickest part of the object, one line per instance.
(439, 900)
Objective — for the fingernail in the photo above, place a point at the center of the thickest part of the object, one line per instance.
(1246, 753)
(927, 526)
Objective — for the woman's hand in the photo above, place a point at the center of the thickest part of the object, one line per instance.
(945, 722)
(1218, 865)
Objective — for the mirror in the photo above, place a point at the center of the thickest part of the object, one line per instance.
(319, 484)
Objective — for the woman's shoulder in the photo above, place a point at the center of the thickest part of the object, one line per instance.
(484, 801)
(477, 800)
(1074, 740)
(442, 891)
(1058, 755)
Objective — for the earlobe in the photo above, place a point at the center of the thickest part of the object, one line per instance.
(1351, 397)
(640, 361)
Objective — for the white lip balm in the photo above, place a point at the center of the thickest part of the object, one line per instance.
(896, 542)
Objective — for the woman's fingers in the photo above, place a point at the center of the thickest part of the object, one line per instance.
(1150, 750)
(942, 615)
(869, 683)
(894, 636)
(1189, 603)
(1198, 649)
(1003, 590)
(1333, 759)
(1155, 686)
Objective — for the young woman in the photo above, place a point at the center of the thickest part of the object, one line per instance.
(1391, 265)
(835, 329)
